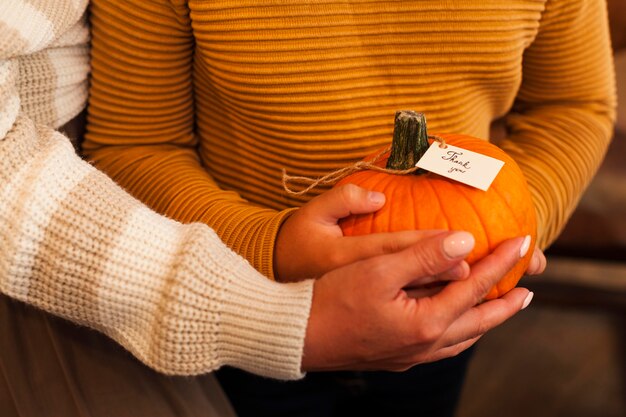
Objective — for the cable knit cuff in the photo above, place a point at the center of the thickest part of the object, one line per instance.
(263, 325)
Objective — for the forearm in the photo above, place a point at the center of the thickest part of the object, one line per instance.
(141, 124)
(170, 180)
(563, 118)
(76, 245)
(559, 150)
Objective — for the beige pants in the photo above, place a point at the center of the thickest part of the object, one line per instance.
(50, 367)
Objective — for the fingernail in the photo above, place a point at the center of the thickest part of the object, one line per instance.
(458, 244)
(459, 271)
(376, 197)
(528, 299)
(534, 264)
(523, 250)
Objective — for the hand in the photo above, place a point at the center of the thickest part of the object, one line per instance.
(311, 243)
(362, 318)
(536, 266)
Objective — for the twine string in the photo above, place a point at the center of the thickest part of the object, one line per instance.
(335, 176)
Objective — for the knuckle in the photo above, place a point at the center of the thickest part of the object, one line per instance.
(428, 260)
(430, 333)
(480, 288)
(350, 193)
(482, 326)
(391, 246)
(376, 269)
(456, 350)
(336, 258)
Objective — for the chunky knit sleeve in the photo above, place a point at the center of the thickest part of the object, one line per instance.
(141, 124)
(73, 243)
(563, 117)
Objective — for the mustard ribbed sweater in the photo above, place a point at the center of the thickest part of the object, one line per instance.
(197, 106)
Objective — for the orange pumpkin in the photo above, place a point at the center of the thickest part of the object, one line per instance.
(424, 200)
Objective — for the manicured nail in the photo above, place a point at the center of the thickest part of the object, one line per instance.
(534, 264)
(523, 250)
(459, 271)
(528, 299)
(458, 244)
(376, 197)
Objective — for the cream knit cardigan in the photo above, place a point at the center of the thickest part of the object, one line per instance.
(76, 245)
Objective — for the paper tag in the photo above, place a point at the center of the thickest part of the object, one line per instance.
(459, 164)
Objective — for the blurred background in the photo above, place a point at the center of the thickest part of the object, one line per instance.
(566, 354)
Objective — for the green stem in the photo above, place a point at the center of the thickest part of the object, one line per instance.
(410, 140)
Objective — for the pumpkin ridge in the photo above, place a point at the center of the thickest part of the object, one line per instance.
(393, 185)
(461, 189)
(379, 183)
(381, 179)
(441, 209)
(497, 192)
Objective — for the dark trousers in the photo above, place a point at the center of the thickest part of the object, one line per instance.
(429, 390)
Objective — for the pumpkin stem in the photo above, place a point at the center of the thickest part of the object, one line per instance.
(410, 140)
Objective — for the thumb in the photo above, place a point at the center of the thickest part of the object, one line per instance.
(420, 262)
(343, 201)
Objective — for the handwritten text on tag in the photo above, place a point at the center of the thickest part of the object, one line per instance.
(459, 164)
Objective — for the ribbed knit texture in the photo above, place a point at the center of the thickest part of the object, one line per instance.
(196, 106)
(75, 244)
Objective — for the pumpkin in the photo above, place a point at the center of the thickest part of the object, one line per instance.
(424, 200)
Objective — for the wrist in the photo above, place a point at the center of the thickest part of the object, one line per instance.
(321, 351)
(282, 248)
